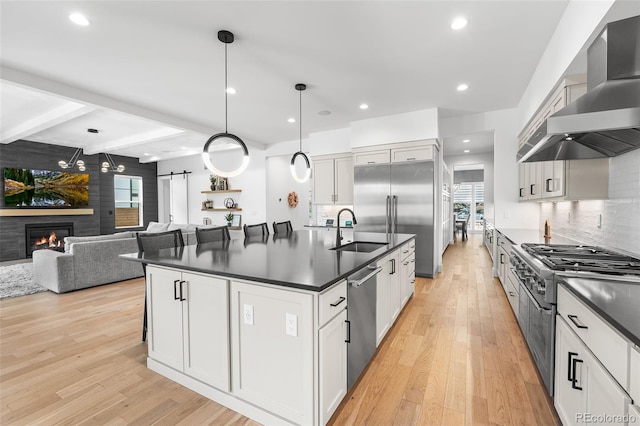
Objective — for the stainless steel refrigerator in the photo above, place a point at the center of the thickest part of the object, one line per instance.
(399, 198)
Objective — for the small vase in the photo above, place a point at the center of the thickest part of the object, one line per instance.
(213, 187)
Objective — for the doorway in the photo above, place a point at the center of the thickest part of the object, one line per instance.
(468, 195)
(173, 205)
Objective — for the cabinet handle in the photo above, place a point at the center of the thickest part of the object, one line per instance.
(405, 251)
(570, 366)
(182, 299)
(502, 258)
(337, 302)
(336, 197)
(512, 294)
(521, 189)
(411, 158)
(175, 290)
(548, 188)
(533, 185)
(574, 380)
(405, 263)
(348, 331)
(371, 162)
(393, 267)
(574, 320)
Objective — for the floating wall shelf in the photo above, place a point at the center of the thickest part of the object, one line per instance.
(221, 192)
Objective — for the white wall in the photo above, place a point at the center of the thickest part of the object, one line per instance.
(280, 183)
(252, 181)
(576, 26)
(330, 142)
(508, 212)
(410, 126)
(482, 158)
(620, 213)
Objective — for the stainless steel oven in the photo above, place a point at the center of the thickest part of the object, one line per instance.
(536, 316)
(535, 267)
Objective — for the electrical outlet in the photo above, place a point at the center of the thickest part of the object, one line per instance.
(291, 325)
(248, 314)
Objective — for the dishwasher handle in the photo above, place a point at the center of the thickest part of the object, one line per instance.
(358, 283)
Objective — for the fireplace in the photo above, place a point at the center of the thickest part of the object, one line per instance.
(46, 236)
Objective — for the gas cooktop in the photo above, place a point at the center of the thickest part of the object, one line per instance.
(584, 258)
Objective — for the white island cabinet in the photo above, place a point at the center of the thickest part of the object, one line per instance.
(188, 324)
(272, 349)
(275, 354)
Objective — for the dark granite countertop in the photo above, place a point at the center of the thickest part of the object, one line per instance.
(300, 260)
(617, 302)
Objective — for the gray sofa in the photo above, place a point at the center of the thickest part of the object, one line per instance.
(92, 261)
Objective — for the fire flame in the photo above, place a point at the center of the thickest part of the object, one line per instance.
(51, 241)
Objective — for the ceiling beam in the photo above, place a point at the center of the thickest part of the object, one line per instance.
(98, 100)
(133, 140)
(44, 121)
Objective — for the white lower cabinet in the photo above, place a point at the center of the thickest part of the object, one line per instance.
(389, 296)
(332, 359)
(407, 274)
(583, 387)
(188, 324)
(272, 350)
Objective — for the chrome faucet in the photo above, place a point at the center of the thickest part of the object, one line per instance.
(338, 233)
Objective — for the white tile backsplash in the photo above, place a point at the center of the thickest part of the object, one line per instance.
(620, 213)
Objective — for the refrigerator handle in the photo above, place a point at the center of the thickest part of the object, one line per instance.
(388, 214)
(394, 215)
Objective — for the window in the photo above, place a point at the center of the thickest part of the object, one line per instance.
(468, 195)
(128, 201)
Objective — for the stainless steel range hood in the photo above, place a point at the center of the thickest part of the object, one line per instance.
(604, 122)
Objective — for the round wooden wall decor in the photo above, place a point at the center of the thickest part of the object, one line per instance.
(292, 198)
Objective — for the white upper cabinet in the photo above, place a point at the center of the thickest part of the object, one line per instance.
(333, 179)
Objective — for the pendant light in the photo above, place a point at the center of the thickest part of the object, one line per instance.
(300, 87)
(225, 37)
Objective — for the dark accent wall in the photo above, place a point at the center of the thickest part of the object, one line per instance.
(35, 155)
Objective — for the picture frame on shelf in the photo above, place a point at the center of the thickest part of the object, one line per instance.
(237, 221)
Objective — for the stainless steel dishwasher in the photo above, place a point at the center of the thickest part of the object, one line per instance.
(361, 315)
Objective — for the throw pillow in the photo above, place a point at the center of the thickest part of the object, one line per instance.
(157, 227)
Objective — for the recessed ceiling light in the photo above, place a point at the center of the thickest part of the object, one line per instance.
(364, 106)
(291, 120)
(462, 87)
(466, 140)
(231, 91)
(183, 147)
(458, 23)
(324, 112)
(79, 19)
(466, 151)
(146, 153)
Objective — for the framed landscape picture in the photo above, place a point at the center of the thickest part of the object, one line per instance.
(237, 221)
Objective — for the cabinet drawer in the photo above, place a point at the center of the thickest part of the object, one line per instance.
(405, 250)
(412, 244)
(606, 344)
(373, 157)
(634, 376)
(332, 302)
(411, 154)
(511, 290)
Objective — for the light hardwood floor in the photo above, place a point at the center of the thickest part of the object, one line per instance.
(455, 356)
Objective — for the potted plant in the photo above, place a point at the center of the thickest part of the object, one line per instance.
(214, 182)
(229, 218)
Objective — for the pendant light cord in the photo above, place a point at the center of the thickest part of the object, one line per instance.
(300, 120)
(225, 89)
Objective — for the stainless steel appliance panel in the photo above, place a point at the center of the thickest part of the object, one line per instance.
(371, 197)
(541, 339)
(413, 209)
(361, 314)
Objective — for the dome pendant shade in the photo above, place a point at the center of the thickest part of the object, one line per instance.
(300, 87)
(225, 37)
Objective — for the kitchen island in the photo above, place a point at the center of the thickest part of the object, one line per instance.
(259, 324)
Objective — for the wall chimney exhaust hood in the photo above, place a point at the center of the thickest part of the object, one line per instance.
(605, 122)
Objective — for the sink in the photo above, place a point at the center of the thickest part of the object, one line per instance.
(360, 247)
